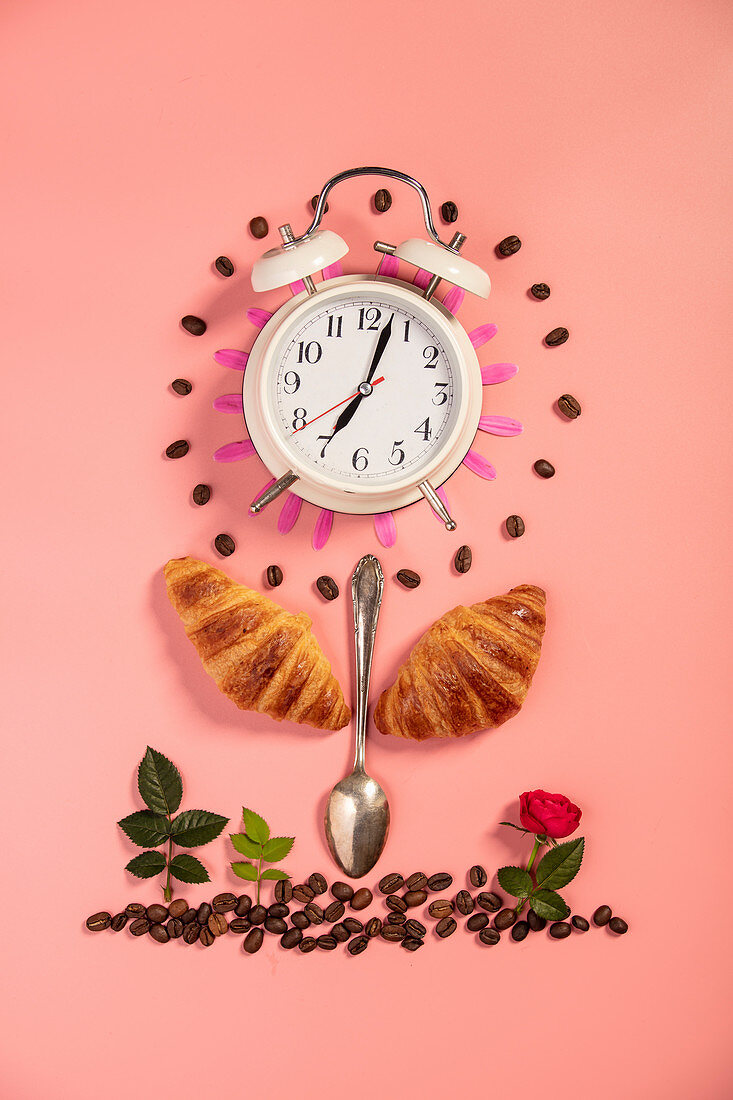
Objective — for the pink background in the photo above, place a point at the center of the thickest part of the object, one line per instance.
(139, 139)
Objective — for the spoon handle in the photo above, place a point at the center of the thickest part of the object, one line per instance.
(367, 586)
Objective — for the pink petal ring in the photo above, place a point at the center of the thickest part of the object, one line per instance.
(233, 452)
(422, 278)
(386, 528)
(228, 403)
(481, 335)
(498, 372)
(258, 317)
(454, 299)
(333, 270)
(297, 287)
(262, 490)
(500, 425)
(478, 465)
(322, 530)
(389, 266)
(289, 513)
(230, 357)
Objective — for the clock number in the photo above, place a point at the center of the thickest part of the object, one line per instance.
(339, 321)
(360, 461)
(441, 396)
(371, 315)
(299, 416)
(398, 455)
(292, 381)
(431, 353)
(309, 353)
(407, 331)
(424, 429)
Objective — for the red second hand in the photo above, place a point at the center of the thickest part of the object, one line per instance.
(349, 398)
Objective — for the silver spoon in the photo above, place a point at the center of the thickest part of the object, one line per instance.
(357, 814)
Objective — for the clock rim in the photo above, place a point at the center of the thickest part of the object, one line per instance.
(320, 490)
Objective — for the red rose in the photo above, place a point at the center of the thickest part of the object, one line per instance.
(551, 814)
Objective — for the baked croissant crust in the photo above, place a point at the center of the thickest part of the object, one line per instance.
(470, 671)
(262, 657)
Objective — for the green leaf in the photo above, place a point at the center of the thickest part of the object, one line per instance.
(245, 846)
(273, 873)
(277, 848)
(145, 828)
(515, 880)
(560, 865)
(195, 827)
(187, 868)
(245, 870)
(146, 865)
(513, 826)
(159, 782)
(548, 904)
(255, 826)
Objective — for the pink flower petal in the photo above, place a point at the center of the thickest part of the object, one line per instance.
(258, 317)
(481, 335)
(500, 425)
(232, 452)
(478, 465)
(386, 528)
(333, 270)
(444, 497)
(498, 372)
(322, 529)
(289, 513)
(267, 486)
(230, 357)
(297, 287)
(388, 266)
(454, 299)
(422, 278)
(228, 403)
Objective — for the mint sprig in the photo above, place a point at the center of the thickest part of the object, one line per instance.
(259, 847)
(161, 789)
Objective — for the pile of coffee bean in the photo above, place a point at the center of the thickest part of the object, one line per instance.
(298, 920)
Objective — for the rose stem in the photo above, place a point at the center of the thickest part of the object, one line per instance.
(535, 850)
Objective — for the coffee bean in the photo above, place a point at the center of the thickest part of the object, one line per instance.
(477, 922)
(327, 942)
(159, 933)
(203, 912)
(373, 927)
(225, 544)
(135, 909)
(302, 893)
(340, 932)
(560, 930)
(224, 903)
(393, 933)
(508, 246)
(464, 903)
(418, 881)
(514, 526)
(253, 940)
(505, 919)
(449, 212)
(194, 325)
(307, 944)
(396, 918)
(206, 936)
(191, 932)
(276, 926)
(327, 587)
(181, 386)
(358, 945)
(361, 899)
(463, 559)
(580, 923)
(189, 917)
(314, 204)
(314, 912)
(408, 577)
(334, 911)
(278, 909)
(390, 883)
(177, 449)
(382, 200)
(175, 928)
(489, 936)
(618, 925)
(413, 898)
(556, 337)
(520, 931)
(300, 919)
(396, 903)
(201, 494)
(224, 266)
(544, 468)
(274, 576)
(239, 925)
(439, 908)
(446, 927)
(217, 924)
(259, 228)
(540, 291)
(489, 901)
(415, 928)
(317, 883)
(99, 921)
(177, 907)
(411, 943)
(119, 921)
(243, 906)
(156, 913)
(257, 914)
(342, 891)
(535, 923)
(602, 915)
(569, 406)
(291, 938)
(477, 875)
(354, 926)
(284, 891)
(140, 926)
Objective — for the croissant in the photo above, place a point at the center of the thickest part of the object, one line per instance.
(259, 655)
(470, 671)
